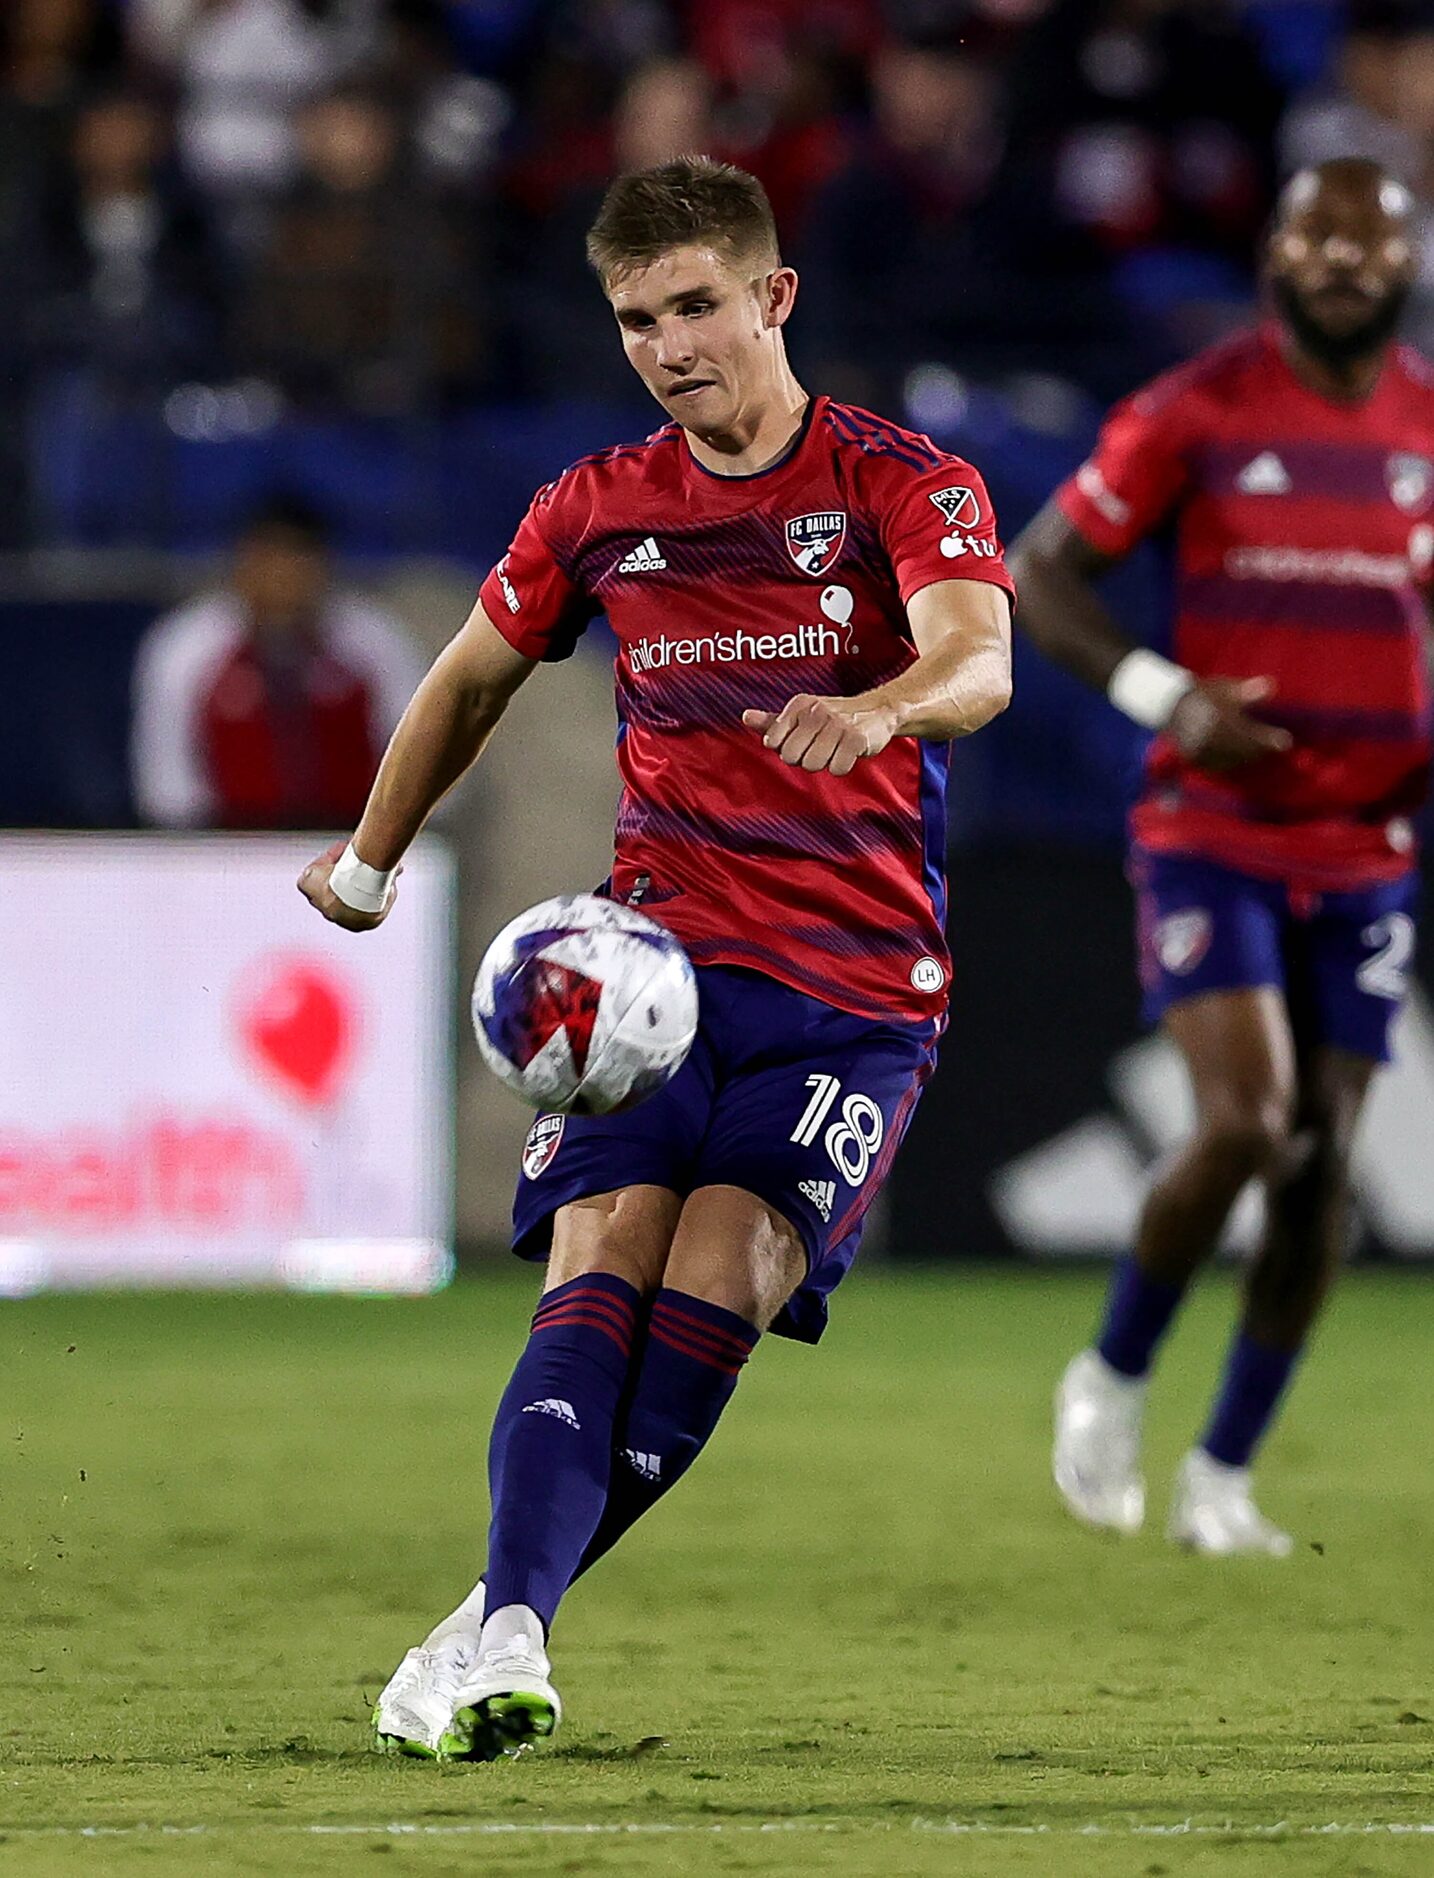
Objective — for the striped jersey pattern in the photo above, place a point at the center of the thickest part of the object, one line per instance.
(1304, 540)
(734, 593)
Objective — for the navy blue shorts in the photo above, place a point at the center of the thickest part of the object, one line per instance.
(1341, 959)
(784, 1096)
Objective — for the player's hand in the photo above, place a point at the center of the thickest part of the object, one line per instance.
(824, 733)
(1213, 726)
(314, 885)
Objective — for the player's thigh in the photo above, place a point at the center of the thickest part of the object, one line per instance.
(628, 1232)
(733, 1249)
(810, 1135)
(1360, 952)
(1239, 1050)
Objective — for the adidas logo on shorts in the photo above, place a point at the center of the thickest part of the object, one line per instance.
(552, 1406)
(821, 1193)
(648, 1465)
(646, 558)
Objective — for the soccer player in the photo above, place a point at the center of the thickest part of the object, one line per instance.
(809, 603)
(1272, 852)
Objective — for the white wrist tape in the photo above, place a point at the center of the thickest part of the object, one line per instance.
(1147, 687)
(366, 889)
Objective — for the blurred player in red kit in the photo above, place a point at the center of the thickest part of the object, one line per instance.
(809, 603)
(1272, 849)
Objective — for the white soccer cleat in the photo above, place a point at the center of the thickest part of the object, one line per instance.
(1096, 1458)
(1213, 1512)
(414, 1715)
(507, 1700)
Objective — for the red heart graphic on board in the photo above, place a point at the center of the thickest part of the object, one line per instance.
(298, 1020)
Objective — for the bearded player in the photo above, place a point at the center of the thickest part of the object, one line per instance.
(1272, 850)
(809, 602)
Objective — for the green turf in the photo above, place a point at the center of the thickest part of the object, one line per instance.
(224, 1519)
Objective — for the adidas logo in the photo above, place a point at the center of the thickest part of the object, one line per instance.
(648, 1465)
(821, 1193)
(552, 1406)
(646, 558)
(1264, 475)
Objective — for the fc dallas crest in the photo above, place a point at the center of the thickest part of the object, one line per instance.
(815, 541)
(1182, 939)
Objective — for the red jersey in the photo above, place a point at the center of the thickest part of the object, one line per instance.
(729, 593)
(1304, 542)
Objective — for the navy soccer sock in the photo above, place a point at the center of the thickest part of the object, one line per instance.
(691, 1360)
(1138, 1310)
(1255, 1378)
(550, 1458)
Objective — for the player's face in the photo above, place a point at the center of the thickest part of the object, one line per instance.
(280, 579)
(697, 330)
(1341, 263)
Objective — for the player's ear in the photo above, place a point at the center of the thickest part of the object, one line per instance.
(779, 293)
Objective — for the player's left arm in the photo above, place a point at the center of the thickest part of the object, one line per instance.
(959, 681)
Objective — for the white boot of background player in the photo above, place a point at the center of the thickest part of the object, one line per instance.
(416, 1709)
(1213, 1511)
(1096, 1457)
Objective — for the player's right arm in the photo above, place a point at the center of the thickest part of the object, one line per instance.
(1126, 489)
(449, 719)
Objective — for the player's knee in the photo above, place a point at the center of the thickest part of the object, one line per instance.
(1250, 1131)
(627, 1233)
(732, 1249)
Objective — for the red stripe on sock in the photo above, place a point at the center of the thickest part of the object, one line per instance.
(596, 1294)
(622, 1314)
(684, 1348)
(560, 1320)
(726, 1341)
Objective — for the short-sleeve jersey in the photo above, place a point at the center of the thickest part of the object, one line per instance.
(729, 593)
(1304, 537)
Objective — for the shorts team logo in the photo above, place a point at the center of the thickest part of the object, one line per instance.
(959, 506)
(1182, 939)
(542, 1144)
(1410, 480)
(815, 541)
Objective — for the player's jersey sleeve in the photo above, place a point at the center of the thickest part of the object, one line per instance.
(531, 599)
(1136, 474)
(938, 524)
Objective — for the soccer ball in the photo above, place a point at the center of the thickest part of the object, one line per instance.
(584, 1006)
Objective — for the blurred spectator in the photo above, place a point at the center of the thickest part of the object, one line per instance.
(566, 348)
(1380, 104)
(243, 67)
(126, 289)
(364, 296)
(1150, 125)
(267, 704)
(50, 50)
(890, 238)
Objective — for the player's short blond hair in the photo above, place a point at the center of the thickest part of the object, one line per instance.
(693, 201)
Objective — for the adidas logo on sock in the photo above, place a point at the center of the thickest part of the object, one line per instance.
(646, 558)
(821, 1193)
(648, 1465)
(552, 1406)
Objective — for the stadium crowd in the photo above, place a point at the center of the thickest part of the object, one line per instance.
(375, 207)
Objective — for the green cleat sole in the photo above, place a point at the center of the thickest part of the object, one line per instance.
(505, 1724)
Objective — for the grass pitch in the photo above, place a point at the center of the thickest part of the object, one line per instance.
(861, 1639)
